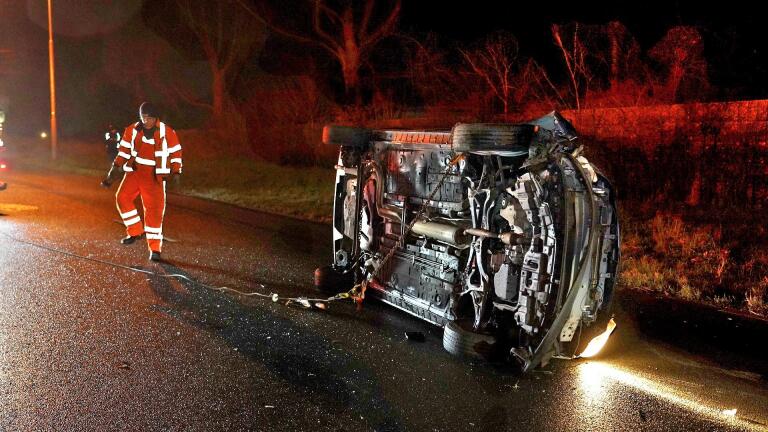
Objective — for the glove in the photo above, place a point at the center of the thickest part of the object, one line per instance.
(112, 175)
(171, 179)
(175, 178)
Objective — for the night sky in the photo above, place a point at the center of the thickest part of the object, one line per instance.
(735, 42)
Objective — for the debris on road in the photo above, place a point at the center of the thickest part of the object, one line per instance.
(300, 301)
(305, 303)
(414, 336)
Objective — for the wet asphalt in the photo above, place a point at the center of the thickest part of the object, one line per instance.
(85, 345)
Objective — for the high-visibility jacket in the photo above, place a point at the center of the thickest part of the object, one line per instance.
(167, 149)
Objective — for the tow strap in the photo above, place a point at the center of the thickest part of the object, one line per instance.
(307, 302)
(356, 294)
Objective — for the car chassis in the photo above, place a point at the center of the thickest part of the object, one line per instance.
(502, 233)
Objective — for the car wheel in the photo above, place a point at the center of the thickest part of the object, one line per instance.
(489, 136)
(346, 136)
(330, 281)
(459, 340)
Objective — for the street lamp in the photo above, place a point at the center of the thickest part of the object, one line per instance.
(54, 135)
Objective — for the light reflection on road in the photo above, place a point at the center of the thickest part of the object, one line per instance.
(597, 380)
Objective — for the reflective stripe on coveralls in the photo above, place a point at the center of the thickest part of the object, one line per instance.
(153, 233)
(130, 218)
(143, 182)
(154, 226)
(148, 162)
(126, 167)
(145, 176)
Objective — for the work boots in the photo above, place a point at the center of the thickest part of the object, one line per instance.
(131, 239)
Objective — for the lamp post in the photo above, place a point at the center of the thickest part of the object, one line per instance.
(54, 134)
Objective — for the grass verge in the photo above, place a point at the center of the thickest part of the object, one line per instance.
(721, 262)
(302, 192)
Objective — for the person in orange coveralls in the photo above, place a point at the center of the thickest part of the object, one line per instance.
(149, 153)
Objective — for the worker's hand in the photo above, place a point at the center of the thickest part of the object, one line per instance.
(175, 178)
(112, 175)
(107, 182)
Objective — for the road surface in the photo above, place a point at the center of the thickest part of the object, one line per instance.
(85, 345)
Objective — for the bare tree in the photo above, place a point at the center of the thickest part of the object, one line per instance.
(430, 72)
(348, 30)
(624, 59)
(620, 76)
(160, 70)
(574, 54)
(224, 35)
(512, 81)
(494, 61)
(681, 53)
(534, 87)
(603, 65)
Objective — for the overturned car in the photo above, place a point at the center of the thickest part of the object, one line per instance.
(504, 234)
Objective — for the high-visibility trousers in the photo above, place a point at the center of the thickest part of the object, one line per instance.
(144, 183)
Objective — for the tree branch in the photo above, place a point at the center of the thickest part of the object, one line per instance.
(330, 44)
(366, 17)
(282, 30)
(384, 29)
(567, 58)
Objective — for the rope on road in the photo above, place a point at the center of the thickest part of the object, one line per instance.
(356, 294)
(302, 301)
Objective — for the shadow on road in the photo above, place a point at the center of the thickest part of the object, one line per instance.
(320, 372)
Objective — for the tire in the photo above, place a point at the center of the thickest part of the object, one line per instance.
(460, 341)
(490, 136)
(330, 281)
(346, 136)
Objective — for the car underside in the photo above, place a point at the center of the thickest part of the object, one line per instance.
(504, 234)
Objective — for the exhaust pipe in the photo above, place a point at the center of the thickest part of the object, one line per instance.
(508, 238)
(446, 233)
(459, 236)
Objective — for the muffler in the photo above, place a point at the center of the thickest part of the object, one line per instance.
(445, 233)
